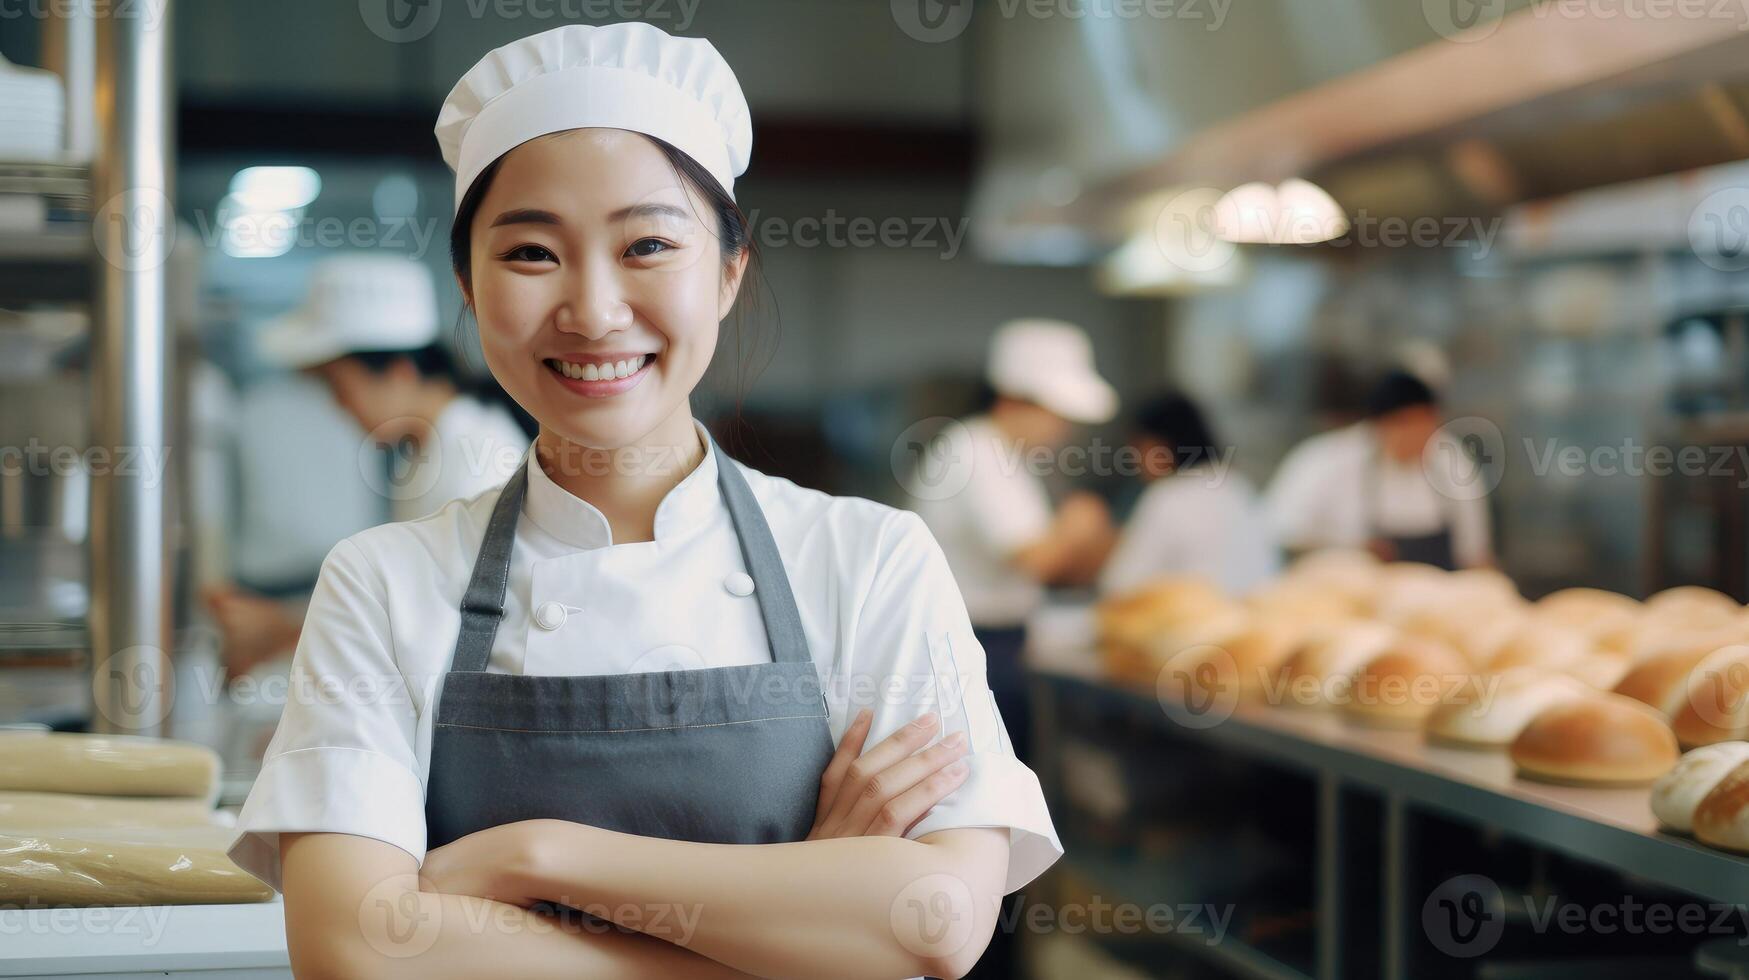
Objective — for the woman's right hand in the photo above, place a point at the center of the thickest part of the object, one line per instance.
(884, 791)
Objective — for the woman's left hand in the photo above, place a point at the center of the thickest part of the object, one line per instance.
(499, 863)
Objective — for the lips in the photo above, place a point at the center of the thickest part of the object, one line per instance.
(600, 377)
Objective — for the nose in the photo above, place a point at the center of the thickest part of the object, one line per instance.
(598, 301)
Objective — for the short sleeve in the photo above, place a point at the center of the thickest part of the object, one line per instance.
(343, 759)
(913, 652)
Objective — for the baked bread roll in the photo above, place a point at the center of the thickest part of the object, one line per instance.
(1320, 672)
(1407, 587)
(1695, 605)
(38, 870)
(1349, 572)
(1504, 705)
(1677, 793)
(1722, 818)
(1541, 643)
(106, 765)
(1603, 739)
(1128, 623)
(1598, 670)
(1662, 680)
(1477, 630)
(1402, 686)
(1595, 612)
(1716, 708)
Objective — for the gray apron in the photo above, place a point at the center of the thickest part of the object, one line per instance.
(729, 755)
(1434, 548)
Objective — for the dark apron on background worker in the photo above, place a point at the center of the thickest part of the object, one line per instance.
(729, 755)
(1434, 548)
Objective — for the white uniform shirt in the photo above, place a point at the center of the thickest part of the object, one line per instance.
(975, 491)
(1337, 490)
(1201, 521)
(879, 608)
(477, 447)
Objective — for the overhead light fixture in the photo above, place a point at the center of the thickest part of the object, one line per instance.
(1296, 212)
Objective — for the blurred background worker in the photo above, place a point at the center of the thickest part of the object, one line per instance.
(368, 330)
(1395, 483)
(978, 488)
(1197, 515)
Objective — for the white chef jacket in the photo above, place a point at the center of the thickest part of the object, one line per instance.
(879, 608)
(1338, 490)
(477, 447)
(983, 505)
(1197, 521)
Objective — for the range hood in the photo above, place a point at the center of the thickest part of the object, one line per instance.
(1385, 104)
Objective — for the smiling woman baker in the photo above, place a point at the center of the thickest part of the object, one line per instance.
(745, 721)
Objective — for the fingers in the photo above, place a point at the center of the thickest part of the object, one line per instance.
(849, 747)
(898, 796)
(891, 750)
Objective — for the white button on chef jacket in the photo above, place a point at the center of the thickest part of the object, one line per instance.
(883, 619)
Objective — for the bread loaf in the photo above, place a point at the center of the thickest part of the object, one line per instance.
(1722, 818)
(1716, 708)
(1402, 686)
(1505, 704)
(1320, 673)
(1677, 793)
(1595, 612)
(1602, 739)
(1662, 680)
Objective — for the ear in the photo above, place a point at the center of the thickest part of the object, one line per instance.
(733, 274)
(467, 294)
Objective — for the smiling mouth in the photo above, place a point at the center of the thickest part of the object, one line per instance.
(599, 371)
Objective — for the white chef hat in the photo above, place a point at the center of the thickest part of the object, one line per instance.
(619, 76)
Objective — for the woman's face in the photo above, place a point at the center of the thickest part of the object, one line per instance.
(590, 258)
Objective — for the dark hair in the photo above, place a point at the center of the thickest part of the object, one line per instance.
(733, 231)
(1176, 421)
(434, 360)
(1398, 390)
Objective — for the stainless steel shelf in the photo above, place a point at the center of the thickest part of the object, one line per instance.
(1611, 827)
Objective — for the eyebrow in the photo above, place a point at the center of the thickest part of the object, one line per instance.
(536, 216)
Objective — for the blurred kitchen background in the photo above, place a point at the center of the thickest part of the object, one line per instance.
(1546, 214)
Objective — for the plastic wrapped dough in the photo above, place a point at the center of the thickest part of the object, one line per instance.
(166, 866)
(72, 815)
(106, 765)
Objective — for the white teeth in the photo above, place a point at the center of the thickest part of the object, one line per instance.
(604, 372)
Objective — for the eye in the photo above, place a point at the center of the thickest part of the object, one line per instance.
(643, 248)
(528, 253)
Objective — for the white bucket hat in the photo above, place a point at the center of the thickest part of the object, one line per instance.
(355, 302)
(1051, 363)
(617, 76)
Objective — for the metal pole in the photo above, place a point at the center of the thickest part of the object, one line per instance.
(132, 224)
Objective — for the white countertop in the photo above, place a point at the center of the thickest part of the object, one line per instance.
(218, 940)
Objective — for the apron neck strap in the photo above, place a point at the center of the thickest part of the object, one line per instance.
(483, 603)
